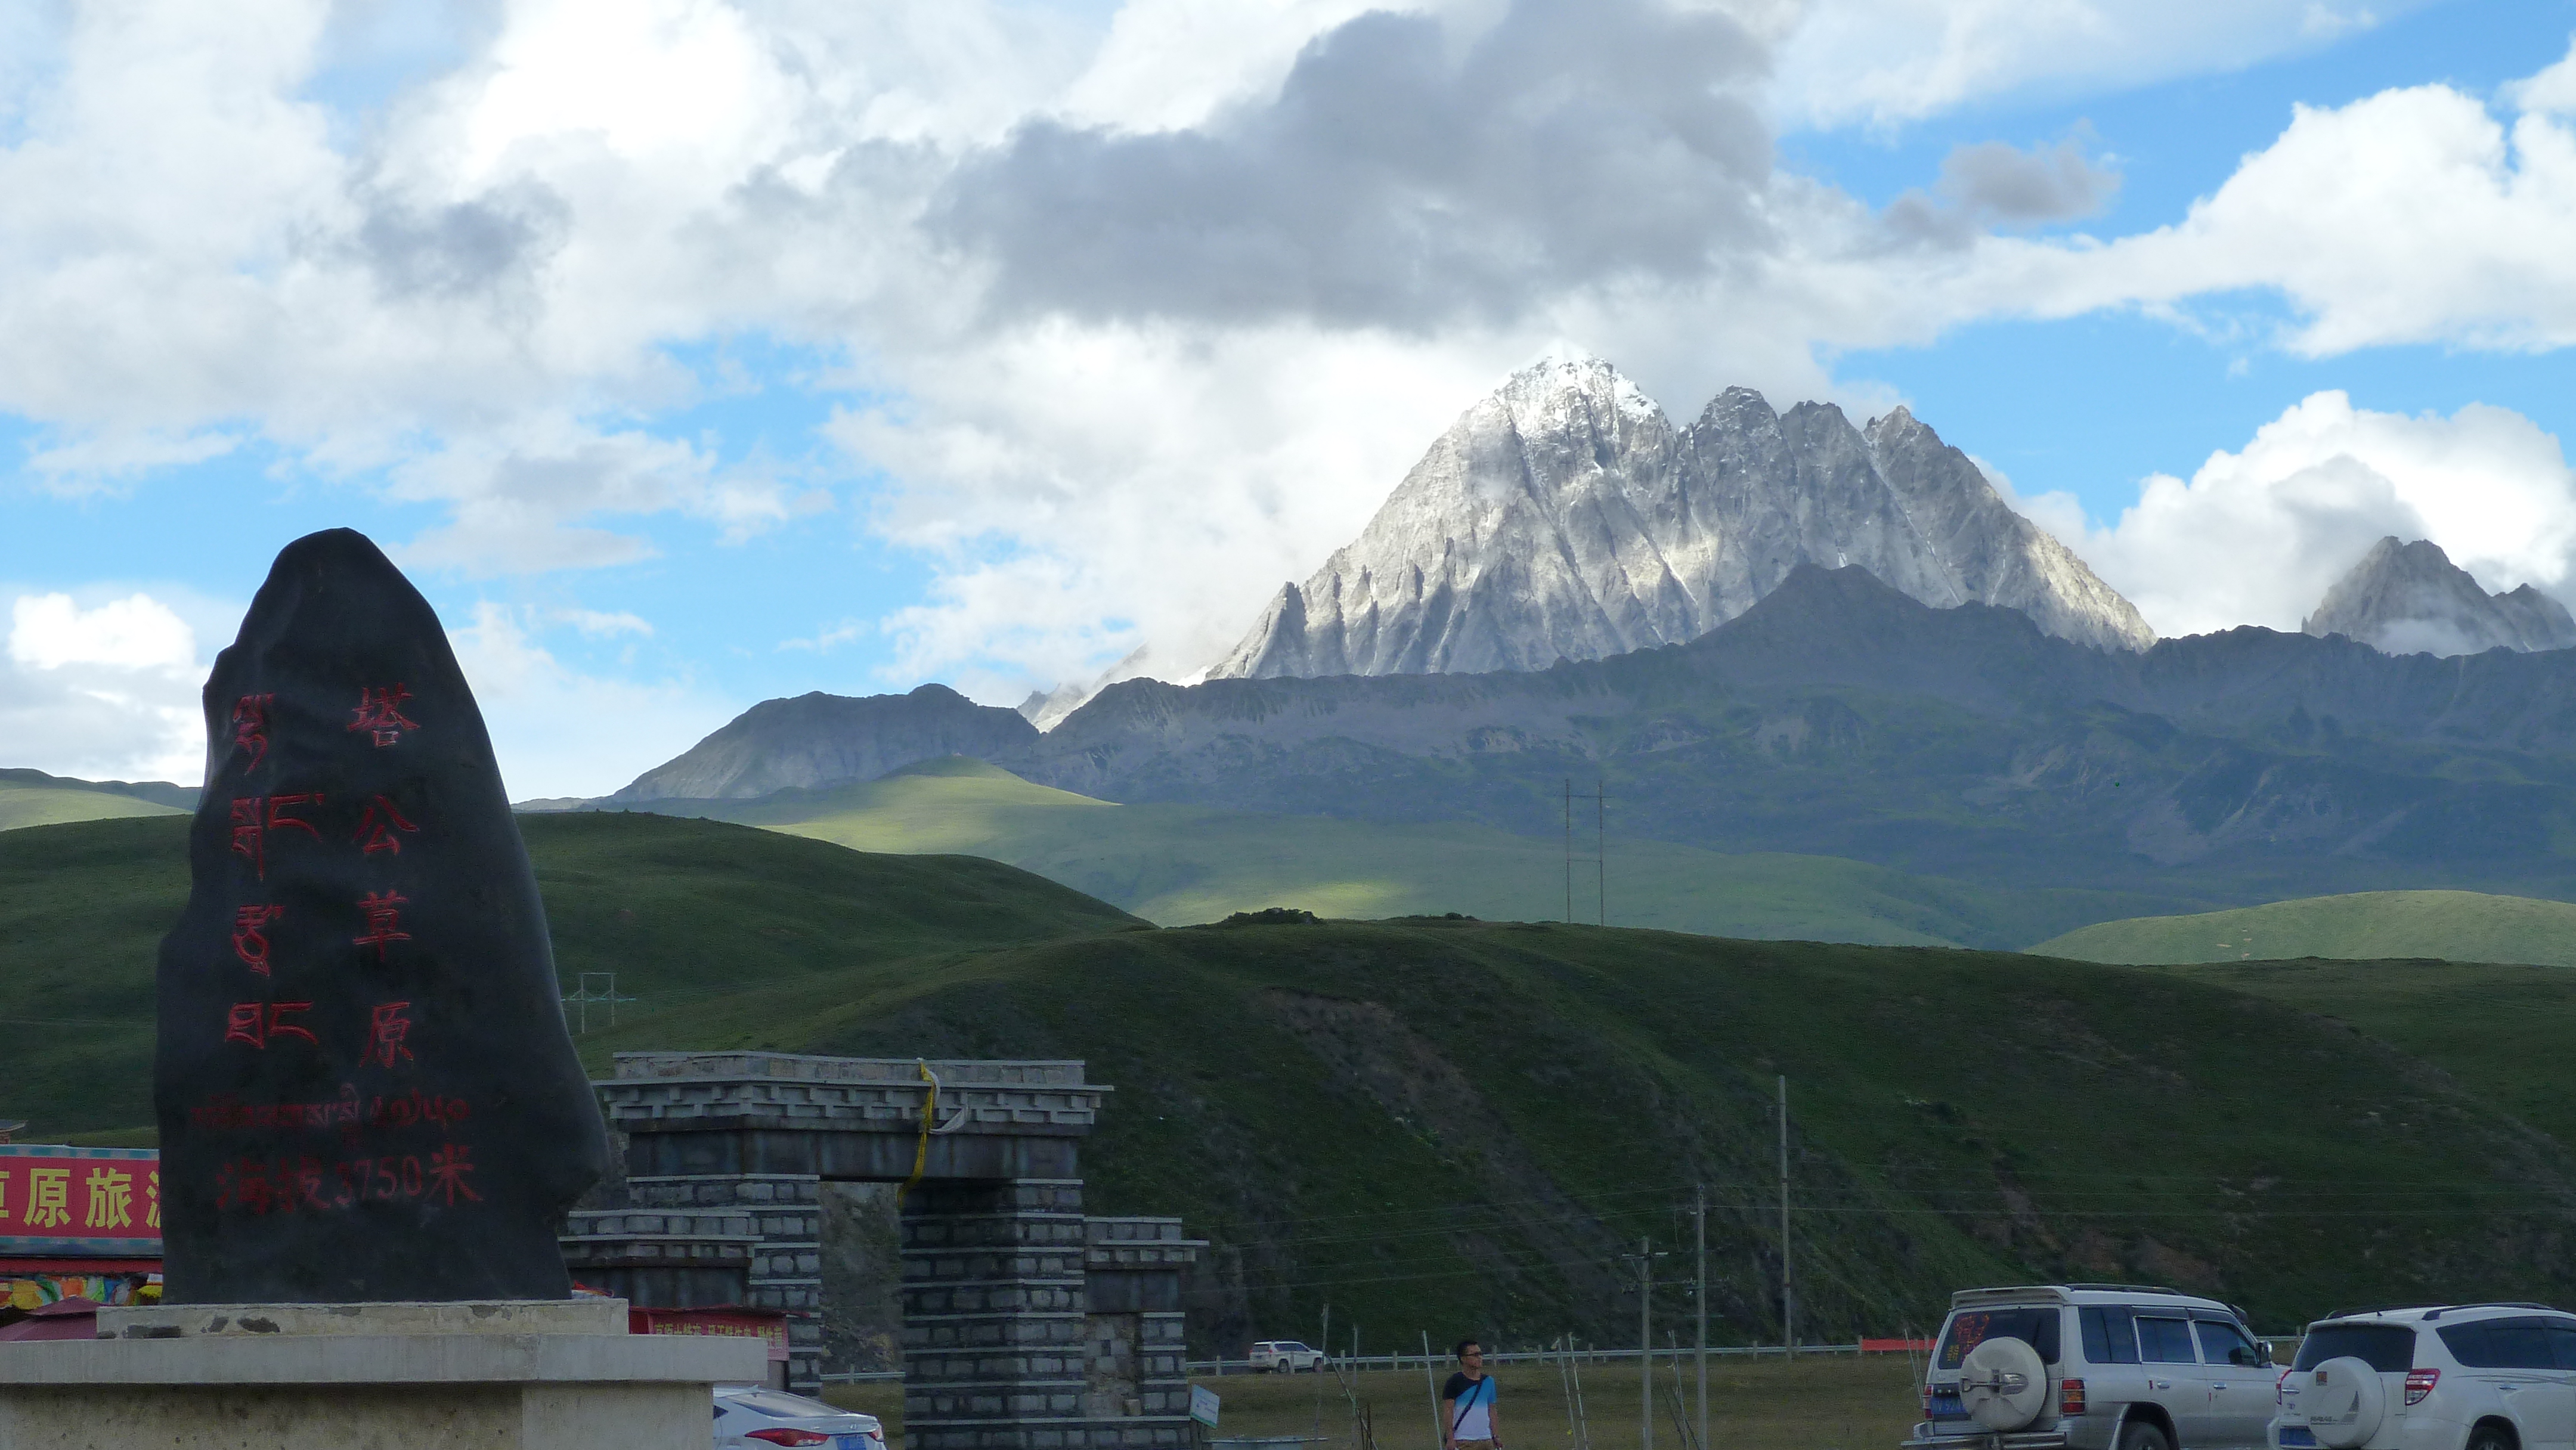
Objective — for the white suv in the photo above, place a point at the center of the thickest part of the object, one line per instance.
(2094, 1367)
(2456, 1377)
(1285, 1356)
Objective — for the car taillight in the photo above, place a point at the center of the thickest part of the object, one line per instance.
(2070, 1397)
(2419, 1383)
(2281, 1387)
(783, 1435)
(1927, 1399)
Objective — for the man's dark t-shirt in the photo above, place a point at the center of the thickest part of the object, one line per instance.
(1472, 1416)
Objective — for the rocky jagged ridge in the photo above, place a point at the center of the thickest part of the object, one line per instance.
(1564, 517)
(2409, 598)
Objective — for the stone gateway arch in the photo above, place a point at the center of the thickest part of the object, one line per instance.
(1026, 1325)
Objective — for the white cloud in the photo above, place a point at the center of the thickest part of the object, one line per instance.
(602, 624)
(49, 631)
(1885, 62)
(107, 691)
(559, 732)
(2257, 536)
(2409, 216)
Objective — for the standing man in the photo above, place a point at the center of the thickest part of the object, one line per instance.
(1467, 1404)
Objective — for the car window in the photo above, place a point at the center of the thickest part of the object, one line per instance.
(2224, 1343)
(2109, 1338)
(1969, 1328)
(2387, 1348)
(2562, 1344)
(2501, 1344)
(2165, 1341)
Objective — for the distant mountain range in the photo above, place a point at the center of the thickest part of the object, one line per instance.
(1566, 518)
(1839, 717)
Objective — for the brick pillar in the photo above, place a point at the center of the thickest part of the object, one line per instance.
(993, 1313)
(786, 1265)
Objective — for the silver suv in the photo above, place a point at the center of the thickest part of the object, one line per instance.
(2094, 1367)
(1285, 1356)
(2455, 1377)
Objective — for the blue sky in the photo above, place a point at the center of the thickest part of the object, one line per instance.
(688, 355)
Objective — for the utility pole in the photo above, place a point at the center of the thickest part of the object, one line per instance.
(1788, 1292)
(1699, 1302)
(1601, 849)
(1645, 1260)
(1569, 850)
(1646, 1340)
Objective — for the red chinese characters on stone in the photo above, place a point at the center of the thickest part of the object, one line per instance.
(384, 919)
(250, 937)
(261, 1023)
(376, 829)
(386, 1031)
(380, 713)
(288, 1185)
(250, 727)
(448, 1170)
(254, 817)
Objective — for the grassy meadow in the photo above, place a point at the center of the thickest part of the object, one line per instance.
(1816, 1402)
(2459, 926)
(1179, 864)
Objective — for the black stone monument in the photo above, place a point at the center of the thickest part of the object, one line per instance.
(364, 1083)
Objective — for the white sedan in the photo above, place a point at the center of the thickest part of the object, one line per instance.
(756, 1417)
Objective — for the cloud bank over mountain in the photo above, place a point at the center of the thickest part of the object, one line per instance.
(2258, 535)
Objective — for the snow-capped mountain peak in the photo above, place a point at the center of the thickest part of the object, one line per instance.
(1564, 517)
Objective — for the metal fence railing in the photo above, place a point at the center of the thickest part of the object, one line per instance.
(1436, 1359)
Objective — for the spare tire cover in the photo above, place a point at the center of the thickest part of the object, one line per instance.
(2002, 1384)
(2343, 1400)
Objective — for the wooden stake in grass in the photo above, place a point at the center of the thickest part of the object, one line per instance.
(1439, 1431)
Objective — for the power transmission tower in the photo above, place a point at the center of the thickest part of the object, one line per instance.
(604, 994)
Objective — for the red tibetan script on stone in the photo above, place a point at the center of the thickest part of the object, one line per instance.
(384, 918)
(254, 816)
(377, 829)
(250, 727)
(260, 1023)
(250, 938)
(390, 1025)
(380, 713)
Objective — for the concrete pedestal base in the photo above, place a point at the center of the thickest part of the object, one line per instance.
(557, 1375)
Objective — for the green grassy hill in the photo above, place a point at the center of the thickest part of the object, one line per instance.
(680, 910)
(1435, 1123)
(23, 805)
(2459, 926)
(1177, 864)
(2499, 1031)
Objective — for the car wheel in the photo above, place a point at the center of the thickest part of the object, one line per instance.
(2143, 1436)
(2488, 1437)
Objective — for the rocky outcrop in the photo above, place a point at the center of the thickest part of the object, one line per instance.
(1564, 517)
(819, 740)
(2409, 598)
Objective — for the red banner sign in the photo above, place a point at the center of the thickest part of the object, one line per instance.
(732, 1322)
(79, 1202)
